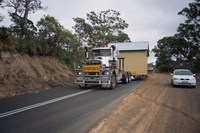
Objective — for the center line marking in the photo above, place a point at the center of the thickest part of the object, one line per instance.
(41, 104)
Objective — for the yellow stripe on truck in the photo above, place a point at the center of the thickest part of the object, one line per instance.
(91, 68)
(134, 74)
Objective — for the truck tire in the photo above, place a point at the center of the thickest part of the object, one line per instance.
(113, 82)
(129, 77)
(125, 80)
(83, 85)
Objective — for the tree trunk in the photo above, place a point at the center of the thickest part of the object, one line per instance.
(27, 2)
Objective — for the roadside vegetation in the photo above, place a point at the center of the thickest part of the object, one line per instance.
(49, 38)
(181, 50)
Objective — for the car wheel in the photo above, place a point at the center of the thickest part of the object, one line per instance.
(194, 86)
(173, 84)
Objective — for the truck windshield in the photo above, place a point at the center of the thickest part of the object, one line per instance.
(101, 52)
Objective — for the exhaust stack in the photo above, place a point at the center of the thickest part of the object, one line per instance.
(86, 53)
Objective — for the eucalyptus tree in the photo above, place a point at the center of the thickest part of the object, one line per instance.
(190, 31)
(101, 28)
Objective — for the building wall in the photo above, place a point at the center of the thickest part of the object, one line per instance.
(135, 61)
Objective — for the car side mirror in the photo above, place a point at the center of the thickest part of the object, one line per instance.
(194, 75)
(171, 74)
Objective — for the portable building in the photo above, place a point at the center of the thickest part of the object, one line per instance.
(136, 57)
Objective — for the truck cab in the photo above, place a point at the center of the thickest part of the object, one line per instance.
(101, 68)
(105, 55)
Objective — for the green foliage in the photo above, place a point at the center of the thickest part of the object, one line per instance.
(103, 28)
(163, 68)
(22, 28)
(55, 40)
(52, 36)
(183, 49)
(83, 30)
(190, 29)
(7, 41)
(172, 52)
(22, 7)
(196, 66)
(69, 58)
(25, 32)
(123, 37)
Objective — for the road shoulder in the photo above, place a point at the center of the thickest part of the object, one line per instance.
(155, 107)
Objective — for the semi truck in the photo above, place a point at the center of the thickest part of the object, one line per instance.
(104, 68)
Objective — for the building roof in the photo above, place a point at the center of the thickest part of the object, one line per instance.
(131, 46)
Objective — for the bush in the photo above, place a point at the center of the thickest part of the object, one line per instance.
(196, 67)
(7, 41)
(163, 68)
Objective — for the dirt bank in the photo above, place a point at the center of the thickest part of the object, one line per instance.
(155, 107)
(21, 74)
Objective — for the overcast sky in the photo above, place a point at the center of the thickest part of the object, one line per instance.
(149, 20)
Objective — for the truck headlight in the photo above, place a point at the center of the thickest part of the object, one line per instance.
(107, 73)
(80, 73)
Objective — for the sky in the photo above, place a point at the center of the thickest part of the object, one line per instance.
(149, 20)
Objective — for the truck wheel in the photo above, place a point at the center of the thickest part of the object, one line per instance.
(83, 85)
(113, 82)
(125, 80)
(129, 77)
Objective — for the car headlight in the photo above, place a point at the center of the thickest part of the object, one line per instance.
(192, 79)
(175, 78)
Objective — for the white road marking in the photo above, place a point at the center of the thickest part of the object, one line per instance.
(41, 104)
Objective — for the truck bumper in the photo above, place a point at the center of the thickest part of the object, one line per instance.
(93, 80)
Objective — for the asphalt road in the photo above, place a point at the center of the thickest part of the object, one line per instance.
(61, 110)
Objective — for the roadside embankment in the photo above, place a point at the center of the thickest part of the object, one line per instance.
(21, 74)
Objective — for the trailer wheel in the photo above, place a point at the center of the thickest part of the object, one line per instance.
(83, 85)
(113, 82)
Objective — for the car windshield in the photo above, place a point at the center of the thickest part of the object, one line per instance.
(182, 72)
(101, 52)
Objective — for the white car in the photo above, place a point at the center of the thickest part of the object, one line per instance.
(183, 77)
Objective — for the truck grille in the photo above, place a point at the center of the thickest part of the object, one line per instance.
(95, 62)
(91, 73)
